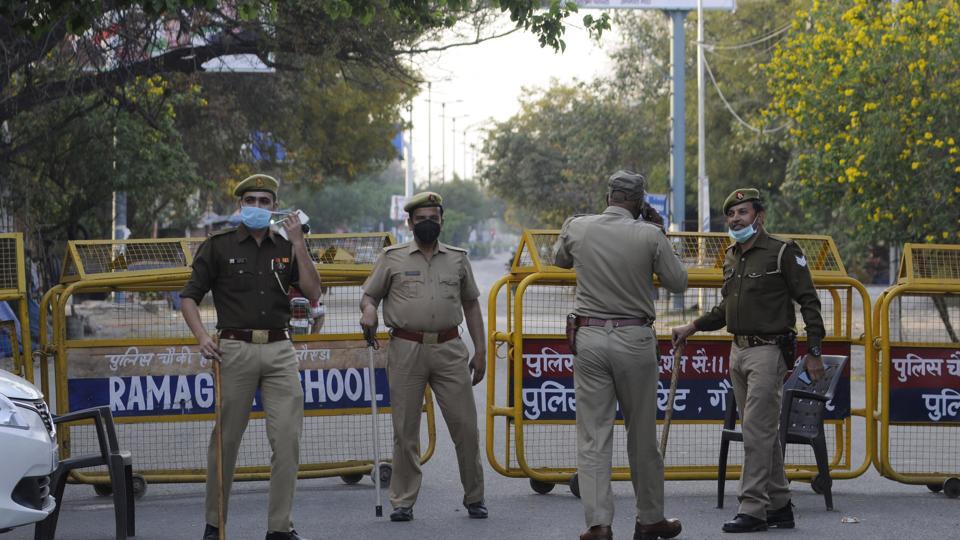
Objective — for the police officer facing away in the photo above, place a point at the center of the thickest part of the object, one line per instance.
(250, 269)
(762, 276)
(427, 288)
(615, 256)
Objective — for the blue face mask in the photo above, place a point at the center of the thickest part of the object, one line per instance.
(255, 218)
(743, 234)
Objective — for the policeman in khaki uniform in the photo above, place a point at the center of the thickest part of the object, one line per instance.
(615, 256)
(250, 269)
(763, 276)
(427, 288)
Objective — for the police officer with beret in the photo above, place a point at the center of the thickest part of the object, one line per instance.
(615, 256)
(427, 288)
(250, 269)
(763, 275)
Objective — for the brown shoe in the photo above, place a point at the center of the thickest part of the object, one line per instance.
(667, 528)
(598, 532)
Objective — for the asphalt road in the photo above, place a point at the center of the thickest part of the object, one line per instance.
(329, 509)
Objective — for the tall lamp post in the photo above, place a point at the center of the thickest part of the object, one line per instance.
(429, 133)
(443, 138)
(453, 145)
(472, 147)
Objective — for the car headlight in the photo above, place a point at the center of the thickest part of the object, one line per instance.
(10, 415)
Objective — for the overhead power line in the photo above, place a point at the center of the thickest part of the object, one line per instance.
(729, 107)
(757, 41)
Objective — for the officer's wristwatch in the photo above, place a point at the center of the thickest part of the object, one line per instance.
(814, 351)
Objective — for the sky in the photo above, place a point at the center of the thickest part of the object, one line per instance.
(480, 84)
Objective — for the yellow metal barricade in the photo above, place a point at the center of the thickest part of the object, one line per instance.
(918, 322)
(13, 289)
(531, 409)
(119, 340)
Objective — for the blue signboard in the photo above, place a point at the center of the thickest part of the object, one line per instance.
(659, 203)
(548, 392)
(173, 380)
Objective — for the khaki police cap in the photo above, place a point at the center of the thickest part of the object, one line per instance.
(630, 183)
(740, 196)
(423, 199)
(257, 182)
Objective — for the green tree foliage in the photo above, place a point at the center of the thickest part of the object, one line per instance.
(361, 205)
(552, 159)
(465, 208)
(872, 91)
(63, 187)
(326, 126)
(107, 44)
(340, 73)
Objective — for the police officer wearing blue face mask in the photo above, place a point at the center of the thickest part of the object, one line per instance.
(763, 275)
(250, 269)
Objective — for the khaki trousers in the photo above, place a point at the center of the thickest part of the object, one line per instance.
(273, 368)
(411, 366)
(757, 377)
(617, 365)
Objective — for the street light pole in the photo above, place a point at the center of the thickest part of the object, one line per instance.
(443, 138)
(408, 180)
(429, 134)
(453, 144)
(453, 153)
(703, 183)
(465, 152)
(443, 141)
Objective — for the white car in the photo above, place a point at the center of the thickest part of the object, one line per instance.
(29, 442)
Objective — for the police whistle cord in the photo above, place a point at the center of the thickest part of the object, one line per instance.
(369, 334)
(218, 429)
(668, 414)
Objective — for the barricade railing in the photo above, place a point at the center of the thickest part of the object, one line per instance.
(918, 322)
(118, 339)
(13, 289)
(531, 409)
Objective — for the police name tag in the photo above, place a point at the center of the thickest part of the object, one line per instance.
(239, 260)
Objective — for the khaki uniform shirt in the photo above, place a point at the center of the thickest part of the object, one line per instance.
(249, 282)
(615, 257)
(759, 288)
(418, 295)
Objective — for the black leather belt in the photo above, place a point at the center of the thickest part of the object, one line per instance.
(745, 341)
(255, 336)
(616, 323)
(426, 337)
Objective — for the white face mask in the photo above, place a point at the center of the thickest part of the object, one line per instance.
(745, 233)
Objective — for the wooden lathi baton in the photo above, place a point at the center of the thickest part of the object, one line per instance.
(668, 414)
(218, 434)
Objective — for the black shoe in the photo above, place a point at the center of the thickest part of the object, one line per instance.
(744, 523)
(781, 518)
(402, 513)
(211, 533)
(292, 535)
(476, 510)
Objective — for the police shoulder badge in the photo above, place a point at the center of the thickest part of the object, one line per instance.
(801, 260)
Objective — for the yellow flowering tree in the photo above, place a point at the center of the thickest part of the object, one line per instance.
(873, 97)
